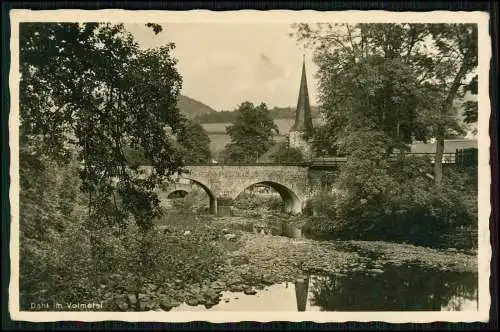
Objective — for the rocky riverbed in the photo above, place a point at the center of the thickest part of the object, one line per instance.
(254, 260)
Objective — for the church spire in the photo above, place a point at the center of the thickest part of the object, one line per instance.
(303, 117)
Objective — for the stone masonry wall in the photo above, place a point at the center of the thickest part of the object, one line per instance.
(230, 181)
(297, 141)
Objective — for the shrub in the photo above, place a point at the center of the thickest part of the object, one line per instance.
(390, 200)
(285, 154)
(194, 200)
(63, 258)
(79, 266)
(252, 201)
(58, 269)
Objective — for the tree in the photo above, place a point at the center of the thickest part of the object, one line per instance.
(157, 28)
(251, 133)
(286, 154)
(399, 79)
(455, 59)
(369, 77)
(76, 95)
(327, 141)
(470, 106)
(195, 143)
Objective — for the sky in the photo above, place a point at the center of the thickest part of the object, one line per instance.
(224, 64)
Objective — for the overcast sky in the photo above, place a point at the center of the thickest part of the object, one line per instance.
(224, 64)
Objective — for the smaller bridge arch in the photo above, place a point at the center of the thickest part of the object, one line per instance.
(170, 188)
(184, 188)
(292, 202)
(177, 193)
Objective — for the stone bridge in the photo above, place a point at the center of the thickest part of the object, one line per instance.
(223, 183)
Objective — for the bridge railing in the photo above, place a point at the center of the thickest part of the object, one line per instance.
(459, 158)
(448, 158)
(247, 163)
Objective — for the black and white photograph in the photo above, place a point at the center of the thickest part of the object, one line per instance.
(227, 166)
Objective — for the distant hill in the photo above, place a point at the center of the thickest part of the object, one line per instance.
(230, 116)
(193, 108)
(284, 126)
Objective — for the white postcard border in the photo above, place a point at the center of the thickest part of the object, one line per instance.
(255, 16)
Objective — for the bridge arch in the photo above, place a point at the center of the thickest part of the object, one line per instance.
(211, 196)
(291, 200)
(177, 190)
(177, 193)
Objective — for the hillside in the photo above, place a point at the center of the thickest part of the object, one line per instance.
(230, 116)
(193, 108)
(284, 125)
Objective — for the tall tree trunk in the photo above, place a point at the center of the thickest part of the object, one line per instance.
(438, 166)
(445, 110)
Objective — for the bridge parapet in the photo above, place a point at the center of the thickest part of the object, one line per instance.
(225, 182)
(295, 182)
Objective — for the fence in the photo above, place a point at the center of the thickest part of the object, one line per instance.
(448, 157)
(466, 157)
(461, 158)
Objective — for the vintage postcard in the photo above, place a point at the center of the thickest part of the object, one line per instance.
(249, 166)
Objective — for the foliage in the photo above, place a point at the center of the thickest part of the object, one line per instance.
(286, 154)
(193, 109)
(368, 78)
(323, 204)
(253, 200)
(427, 288)
(194, 142)
(76, 95)
(251, 133)
(194, 201)
(382, 87)
(48, 193)
(399, 79)
(70, 269)
(81, 122)
(389, 199)
(62, 260)
(457, 58)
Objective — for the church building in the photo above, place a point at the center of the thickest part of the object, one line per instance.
(300, 134)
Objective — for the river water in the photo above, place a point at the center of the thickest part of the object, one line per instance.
(402, 288)
(377, 288)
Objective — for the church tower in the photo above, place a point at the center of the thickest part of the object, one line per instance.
(301, 132)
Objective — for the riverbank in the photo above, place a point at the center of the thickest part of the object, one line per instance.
(254, 260)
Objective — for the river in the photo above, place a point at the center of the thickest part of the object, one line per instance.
(409, 287)
(399, 278)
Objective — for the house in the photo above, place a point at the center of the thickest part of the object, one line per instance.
(450, 148)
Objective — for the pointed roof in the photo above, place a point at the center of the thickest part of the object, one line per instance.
(303, 117)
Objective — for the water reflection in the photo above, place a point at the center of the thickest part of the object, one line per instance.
(396, 289)
(301, 292)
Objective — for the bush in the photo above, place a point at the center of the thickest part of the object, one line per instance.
(253, 201)
(285, 154)
(65, 259)
(78, 266)
(392, 201)
(193, 201)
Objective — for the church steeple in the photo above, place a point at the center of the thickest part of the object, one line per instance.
(303, 117)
